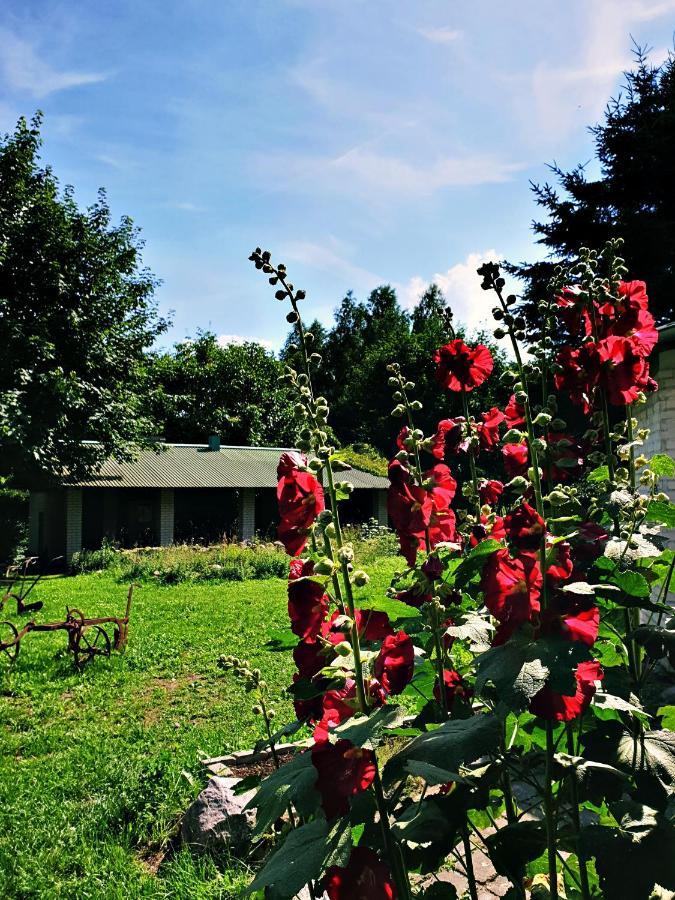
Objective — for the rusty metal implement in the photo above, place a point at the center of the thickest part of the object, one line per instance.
(87, 638)
(18, 582)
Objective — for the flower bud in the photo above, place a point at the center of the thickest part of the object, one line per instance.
(416, 405)
(512, 436)
(558, 424)
(499, 333)
(398, 411)
(344, 648)
(360, 578)
(518, 485)
(325, 566)
(257, 710)
(346, 553)
(543, 419)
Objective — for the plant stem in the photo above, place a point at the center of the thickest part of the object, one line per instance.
(468, 863)
(472, 461)
(550, 814)
(398, 868)
(583, 869)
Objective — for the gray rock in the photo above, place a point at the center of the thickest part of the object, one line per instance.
(217, 818)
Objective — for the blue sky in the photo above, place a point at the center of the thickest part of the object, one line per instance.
(362, 141)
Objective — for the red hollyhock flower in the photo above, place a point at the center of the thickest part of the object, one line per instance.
(307, 602)
(339, 704)
(514, 413)
(581, 373)
(364, 878)
(561, 566)
(393, 667)
(511, 587)
(570, 303)
(563, 708)
(443, 485)
(449, 438)
(414, 596)
(309, 658)
(516, 459)
(372, 625)
(409, 507)
(300, 498)
(343, 771)
(637, 324)
(461, 368)
(453, 685)
(487, 528)
(490, 491)
(448, 639)
(488, 429)
(625, 372)
(525, 527)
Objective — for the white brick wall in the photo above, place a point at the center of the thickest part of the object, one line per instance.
(658, 414)
(246, 514)
(380, 506)
(166, 517)
(73, 522)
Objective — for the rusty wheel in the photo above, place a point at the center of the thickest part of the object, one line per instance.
(9, 642)
(74, 615)
(92, 641)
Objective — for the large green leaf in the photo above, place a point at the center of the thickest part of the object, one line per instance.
(368, 731)
(474, 629)
(513, 846)
(598, 475)
(298, 860)
(661, 511)
(658, 641)
(650, 758)
(451, 745)
(595, 781)
(291, 783)
(637, 856)
(662, 465)
(474, 561)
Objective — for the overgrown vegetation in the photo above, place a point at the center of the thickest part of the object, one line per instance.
(97, 768)
(218, 562)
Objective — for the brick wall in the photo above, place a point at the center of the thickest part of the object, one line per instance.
(73, 522)
(166, 517)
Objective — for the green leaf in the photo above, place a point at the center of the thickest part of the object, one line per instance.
(631, 583)
(291, 783)
(513, 846)
(595, 781)
(474, 561)
(368, 731)
(297, 861)
(635, 858)
(338, 845)
(516, 672)
(662, 465)
(668, 717)
(598, 475)
(658, 640)
(434, 775)
(451, 745)
(651, 758)
(661, 511)
(474, 629)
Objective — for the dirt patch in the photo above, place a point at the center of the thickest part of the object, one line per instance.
(151, 860)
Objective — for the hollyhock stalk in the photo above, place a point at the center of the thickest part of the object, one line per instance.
(472, 461)
(435, 620)
(549, 807)
(346, 601)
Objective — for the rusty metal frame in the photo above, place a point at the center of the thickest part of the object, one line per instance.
(87, 637)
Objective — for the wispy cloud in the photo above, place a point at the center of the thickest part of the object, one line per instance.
(24, 69)
(331, 257)
(187, 206)
(440, 35)
(380, 177)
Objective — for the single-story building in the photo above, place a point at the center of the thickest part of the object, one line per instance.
(658, 413)
(183, 492)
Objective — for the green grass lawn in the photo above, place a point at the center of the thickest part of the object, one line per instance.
(96, 768)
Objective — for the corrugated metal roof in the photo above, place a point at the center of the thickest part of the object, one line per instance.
(195, 466)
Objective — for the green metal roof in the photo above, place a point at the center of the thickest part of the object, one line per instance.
(196, 466)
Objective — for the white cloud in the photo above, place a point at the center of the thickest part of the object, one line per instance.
(440, 35)
(470, 304)
(380, 177)
(225, 339)
(24, 69)
(186, 206)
